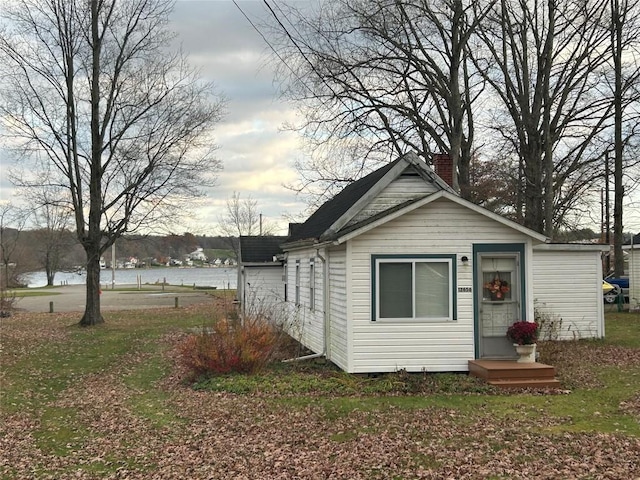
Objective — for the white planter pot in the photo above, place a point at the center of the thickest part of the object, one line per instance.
(526, 353)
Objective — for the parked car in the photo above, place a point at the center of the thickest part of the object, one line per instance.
(620, 287)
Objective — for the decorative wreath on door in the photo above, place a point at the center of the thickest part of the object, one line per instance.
(497, 287)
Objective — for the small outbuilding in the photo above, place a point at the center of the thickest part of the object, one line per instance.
(633, 250)
(397, 271)
(260, 273)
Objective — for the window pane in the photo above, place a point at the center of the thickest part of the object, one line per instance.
(432, 289)
(395, 290)
(297, 283)
(497, 278)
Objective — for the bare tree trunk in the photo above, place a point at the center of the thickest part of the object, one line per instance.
(546, 123)
(51, 273)
(616, 45)
(533, 190)
(92, 315)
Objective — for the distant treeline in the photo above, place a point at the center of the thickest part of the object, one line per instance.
(29, 249)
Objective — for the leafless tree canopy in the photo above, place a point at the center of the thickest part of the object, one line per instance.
(377, 79)
(91, 88)
(12, 262)
(52, 218)
(242, 217)
(525, 85)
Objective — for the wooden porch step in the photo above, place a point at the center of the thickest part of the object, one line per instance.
(528, 383)
(511, 374)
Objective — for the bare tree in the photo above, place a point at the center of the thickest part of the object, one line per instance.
(378, 78)
(13, 220)
(625, 33)
(52, 218)
(544, 61)
(242, 217)
(121, 122)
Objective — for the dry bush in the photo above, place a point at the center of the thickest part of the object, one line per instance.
(231, 346)
(7, 303)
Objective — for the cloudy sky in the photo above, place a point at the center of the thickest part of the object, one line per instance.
(256, 154)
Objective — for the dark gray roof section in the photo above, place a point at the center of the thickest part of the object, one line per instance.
(293, 228)
(332, 210)
(256, 249)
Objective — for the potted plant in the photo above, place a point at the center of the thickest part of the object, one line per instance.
(524, 335)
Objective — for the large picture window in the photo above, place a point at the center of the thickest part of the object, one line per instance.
(416, 288)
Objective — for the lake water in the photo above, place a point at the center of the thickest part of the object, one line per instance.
(202, 277)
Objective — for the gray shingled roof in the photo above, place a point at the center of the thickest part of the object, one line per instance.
(332, 210)
(256, 249)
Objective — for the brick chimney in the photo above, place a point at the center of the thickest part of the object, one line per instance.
(443, 167)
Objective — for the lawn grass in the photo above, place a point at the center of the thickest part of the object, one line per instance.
(31, 292)
(585, 408)
(64, 379)
(623, 329)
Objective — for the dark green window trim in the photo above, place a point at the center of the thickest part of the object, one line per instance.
(453, 286)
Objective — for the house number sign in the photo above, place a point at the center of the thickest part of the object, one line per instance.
(464, 289)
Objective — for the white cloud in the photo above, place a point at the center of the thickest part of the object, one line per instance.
(256, 155)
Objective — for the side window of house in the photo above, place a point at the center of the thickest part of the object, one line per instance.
(420, 288)
(312, 284)
(284, 279)
(297, 282)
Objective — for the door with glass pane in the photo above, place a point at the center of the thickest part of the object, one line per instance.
(499, 302)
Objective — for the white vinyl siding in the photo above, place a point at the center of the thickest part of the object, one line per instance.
(405, 187)
(339, 337)
(567, 287)
(306, 325)
(438, 228)
(262, 289)
(634, 276)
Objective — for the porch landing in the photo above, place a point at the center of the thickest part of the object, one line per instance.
(511, 374)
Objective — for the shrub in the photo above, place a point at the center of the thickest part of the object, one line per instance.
(549, 324)
(230, 346)
(7, 302)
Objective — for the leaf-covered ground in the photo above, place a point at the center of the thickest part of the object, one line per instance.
(110, 403)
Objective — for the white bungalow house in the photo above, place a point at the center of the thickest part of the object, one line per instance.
(633, 249)
(394, 273)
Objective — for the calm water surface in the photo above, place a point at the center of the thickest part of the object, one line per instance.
(201, 277)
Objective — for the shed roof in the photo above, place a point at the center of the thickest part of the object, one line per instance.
(256, 249)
